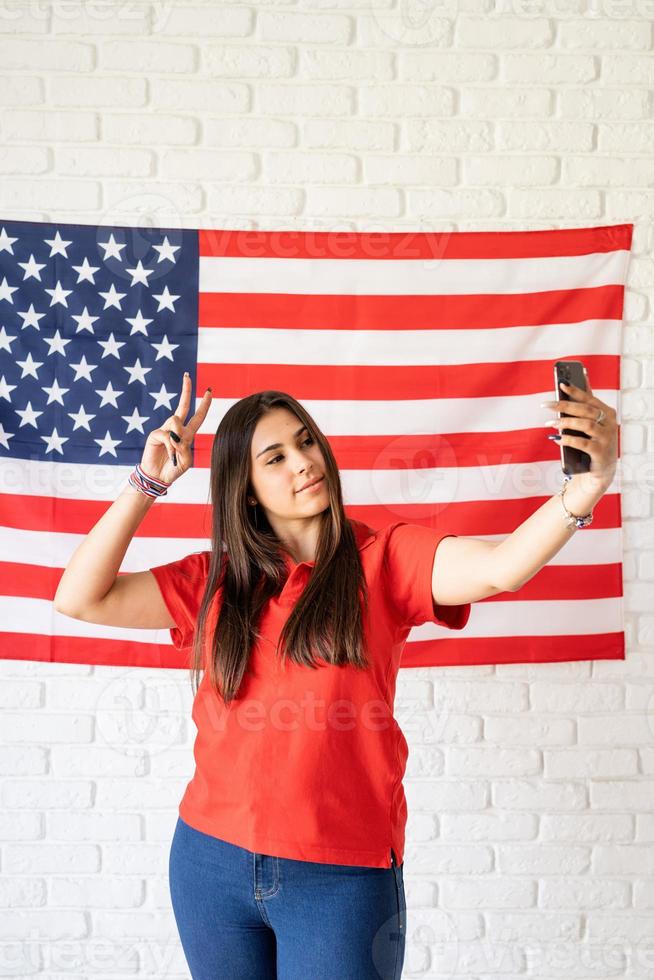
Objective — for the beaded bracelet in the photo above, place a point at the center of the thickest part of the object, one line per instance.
(148, 484)
(573, 520)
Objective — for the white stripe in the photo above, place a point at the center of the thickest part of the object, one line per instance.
(410, 277)
(431, 485)
(394, 348)
(548, 617)
(423, 415)
(47, 549)
(39, 617)
(85, 481)
(538, 618)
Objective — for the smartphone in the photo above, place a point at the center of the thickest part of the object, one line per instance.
(573, 373)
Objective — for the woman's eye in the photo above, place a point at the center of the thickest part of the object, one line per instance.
(275, 458)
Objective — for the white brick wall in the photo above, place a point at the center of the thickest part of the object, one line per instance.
(530, 837)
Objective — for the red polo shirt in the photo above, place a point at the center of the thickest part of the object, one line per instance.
(308, 763)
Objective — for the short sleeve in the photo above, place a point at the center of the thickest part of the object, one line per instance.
(182, 585)
(408, 566)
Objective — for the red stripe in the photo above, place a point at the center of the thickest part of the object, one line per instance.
(443, 652)
(91, 650)
(70, 516)
(475, 311)
(297, 244)
(469, 517)
(30, 581)
(436, 451)
(467, 651)
(552, 582)
(400, 382)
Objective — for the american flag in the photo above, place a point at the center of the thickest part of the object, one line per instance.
(423, 356)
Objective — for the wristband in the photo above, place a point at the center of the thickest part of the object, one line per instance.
(148, 484)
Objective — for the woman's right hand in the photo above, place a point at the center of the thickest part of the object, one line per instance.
(157, 460)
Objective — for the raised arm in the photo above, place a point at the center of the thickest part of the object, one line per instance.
(90, 587)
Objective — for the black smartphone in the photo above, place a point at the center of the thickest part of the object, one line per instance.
(572, 373)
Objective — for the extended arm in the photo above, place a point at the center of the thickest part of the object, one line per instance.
(468, 569)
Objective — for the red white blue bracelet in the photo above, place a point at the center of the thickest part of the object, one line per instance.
(148, 484)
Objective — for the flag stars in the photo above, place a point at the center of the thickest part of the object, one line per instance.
(29, 366)
(111, 346)
(137, 372)
(6, 339)
(166, 300)
(139, 274)
(32, 268)
(5, 436)
(138, 324)
(6, 242)
(78, 390)
(108, 395)
(6, 290)
(58, 295)
(161, 397)
(28, 416)
(86, 272)
(166, 250)
(5, 389)
(135, 421)
(55, 393)
(107, 445)
(112, 298)
(165, 348)
(59, 246)
(56, 344)
(112, 248)
(30, 317)
(54, 442)
(84, 320)
(81, 419)
(83, 369)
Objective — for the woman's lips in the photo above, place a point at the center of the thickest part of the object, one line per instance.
(313, 486)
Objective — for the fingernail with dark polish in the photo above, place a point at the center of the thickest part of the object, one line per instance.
(174, 459)
(555, 438)
(173, 435)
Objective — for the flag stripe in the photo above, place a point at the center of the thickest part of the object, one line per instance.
(66, 647)
(416, 381)
(475, 517)
(528, 618)
(552, 583)
(290, 309)
(392, 246)
(449, 652)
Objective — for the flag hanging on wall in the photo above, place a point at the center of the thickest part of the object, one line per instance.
(423, 357)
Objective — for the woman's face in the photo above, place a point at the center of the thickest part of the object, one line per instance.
(277, 474)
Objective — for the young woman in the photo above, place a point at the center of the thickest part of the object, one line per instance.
(287, 857)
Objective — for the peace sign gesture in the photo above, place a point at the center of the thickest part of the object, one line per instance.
(174, 439)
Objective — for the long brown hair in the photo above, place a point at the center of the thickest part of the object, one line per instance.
(247, 562)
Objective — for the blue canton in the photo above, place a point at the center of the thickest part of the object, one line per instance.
(97, 326)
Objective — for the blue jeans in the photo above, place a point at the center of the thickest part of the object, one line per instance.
(248, 916)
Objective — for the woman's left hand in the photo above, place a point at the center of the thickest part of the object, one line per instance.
(601, 439)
